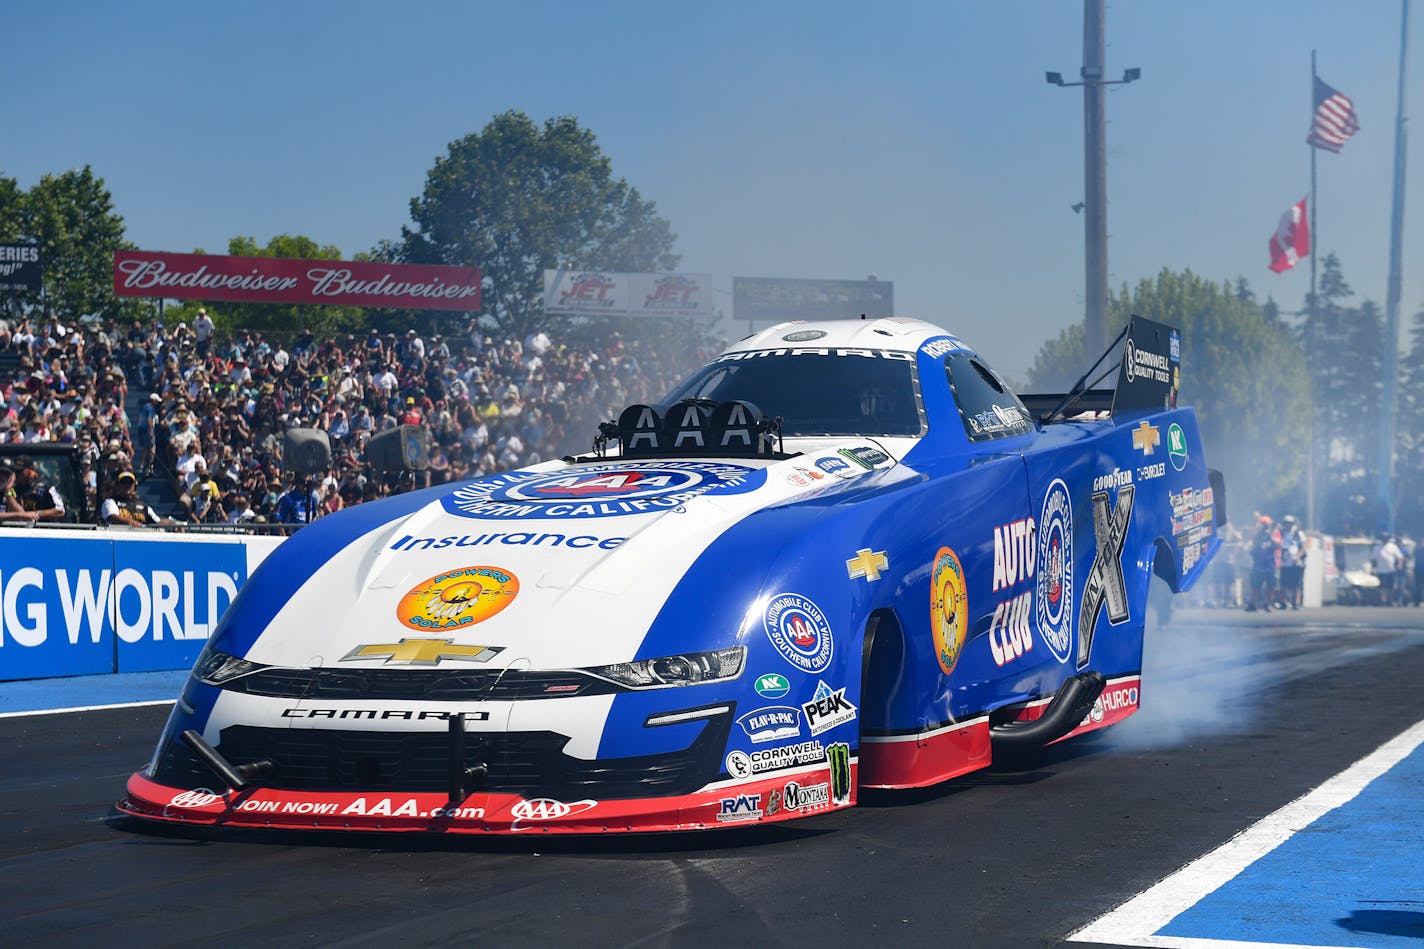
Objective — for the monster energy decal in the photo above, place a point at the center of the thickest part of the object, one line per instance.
(1105, 579)
(839, 756)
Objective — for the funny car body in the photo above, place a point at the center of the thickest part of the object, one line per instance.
(841, 555)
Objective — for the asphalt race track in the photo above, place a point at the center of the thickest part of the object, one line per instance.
(1243, 713)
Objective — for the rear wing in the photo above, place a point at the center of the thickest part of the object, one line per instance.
(1149, 377)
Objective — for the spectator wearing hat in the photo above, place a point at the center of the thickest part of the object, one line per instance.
(11, 512)
(145, 432)
(1292, 561)
(203, 332)
(1388, 563)
(123, 507)
(1265, 556)
(44, 501)
(297, 505)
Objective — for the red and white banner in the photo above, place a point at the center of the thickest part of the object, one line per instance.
(603, 293)
(142, 273)
(1291, 241)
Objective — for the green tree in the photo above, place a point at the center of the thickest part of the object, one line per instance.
(11, 198)
(516, 199)
(71, 215)
(1409, 438)
(1344, 347)
(11, 201)
(1242, 372)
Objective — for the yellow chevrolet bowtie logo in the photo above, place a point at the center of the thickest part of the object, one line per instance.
(867, 563)
(1146, 437)
(422, 652)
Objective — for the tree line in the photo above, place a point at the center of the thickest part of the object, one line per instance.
(1282, 398)
(1279, 395)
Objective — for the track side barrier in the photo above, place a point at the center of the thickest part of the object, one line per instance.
(88, 602)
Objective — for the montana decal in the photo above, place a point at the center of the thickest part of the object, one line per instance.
(949, 608)
(1054, 603)
(457, 598)
(602, 490)
(799, 631)
(1105, 579)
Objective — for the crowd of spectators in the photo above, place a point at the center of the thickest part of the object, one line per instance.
(209, 412)
(1264, 568)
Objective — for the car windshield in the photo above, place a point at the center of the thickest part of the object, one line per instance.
(817, 392)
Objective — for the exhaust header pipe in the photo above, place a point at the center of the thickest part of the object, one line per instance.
(1073, 700)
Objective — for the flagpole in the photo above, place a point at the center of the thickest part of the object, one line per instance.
(1311, 322)
(1391, 309)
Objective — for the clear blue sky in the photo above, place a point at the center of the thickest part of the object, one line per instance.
(914, 140)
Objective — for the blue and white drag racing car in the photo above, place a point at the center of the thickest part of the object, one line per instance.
(841, 555)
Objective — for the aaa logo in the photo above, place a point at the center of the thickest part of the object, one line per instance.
(456, 598)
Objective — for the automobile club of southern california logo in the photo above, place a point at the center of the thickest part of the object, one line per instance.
(1054, 602)
(799, 631)
(455, 598)
(602, 490)
(949, 613)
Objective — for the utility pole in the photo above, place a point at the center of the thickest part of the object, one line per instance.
(1095, 173)
(1391, 309)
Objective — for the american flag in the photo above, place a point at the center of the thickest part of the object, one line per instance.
(1335, 119)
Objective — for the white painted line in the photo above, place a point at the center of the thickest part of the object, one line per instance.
(84, 708)
(1134, 922)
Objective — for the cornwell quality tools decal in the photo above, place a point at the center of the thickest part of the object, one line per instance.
(455, 598)
(1054, 602)
(742, 764)
(602, 490)
(949, 608)
(1105, 578)
(867, 563)
(799, 631)
(422, 652)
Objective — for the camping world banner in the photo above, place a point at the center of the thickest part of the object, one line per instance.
(142, 273)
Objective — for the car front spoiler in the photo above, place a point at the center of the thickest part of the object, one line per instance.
(784, 795)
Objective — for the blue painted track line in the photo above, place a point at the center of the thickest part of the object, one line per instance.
(75, 693)
(1343, 865)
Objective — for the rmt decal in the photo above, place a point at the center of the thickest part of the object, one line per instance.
(1105, 579)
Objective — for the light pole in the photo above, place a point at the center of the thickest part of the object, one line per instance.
(1095, 173)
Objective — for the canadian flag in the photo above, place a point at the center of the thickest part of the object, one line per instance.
(1291, 241)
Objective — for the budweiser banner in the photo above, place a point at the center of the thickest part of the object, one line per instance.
(20, 267)
(785, 298)
(142, 273)
(590, 292)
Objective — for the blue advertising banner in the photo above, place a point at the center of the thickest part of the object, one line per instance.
(78, 606)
